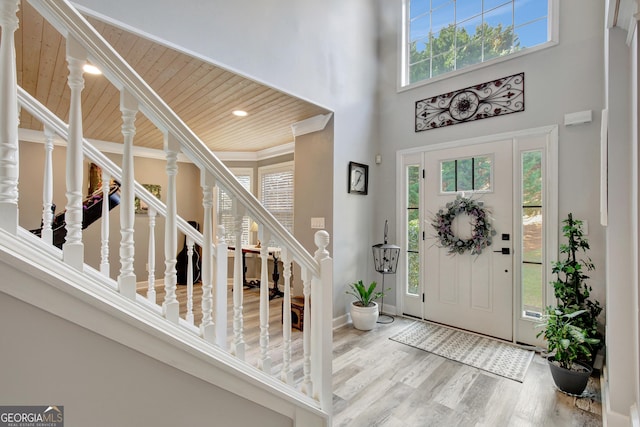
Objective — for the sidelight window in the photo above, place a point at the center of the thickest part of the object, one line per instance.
(413, 228)
(532, 234)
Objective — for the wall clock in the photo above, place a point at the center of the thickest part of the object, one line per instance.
(358, 178)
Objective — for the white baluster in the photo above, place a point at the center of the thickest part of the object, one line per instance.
(151, 290)
(46, 234)
(307, 387)
(238, 285)
(9, 162)
(265, 360)
(207, 327)
(73, 248)
(127, 277)
(287, 372)
(189, 316)
(170, 306)
(322, 323)
(220, 299)
(104, 230)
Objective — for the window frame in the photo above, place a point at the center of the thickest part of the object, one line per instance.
(403, 42)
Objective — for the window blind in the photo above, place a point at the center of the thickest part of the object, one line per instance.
(276, 194)
(225, 210)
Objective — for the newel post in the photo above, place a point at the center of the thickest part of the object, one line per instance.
(322, 323)
(8, 118)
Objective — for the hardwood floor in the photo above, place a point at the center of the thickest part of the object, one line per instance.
(379, 382)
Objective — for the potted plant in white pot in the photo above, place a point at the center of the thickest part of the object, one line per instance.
(364, 310)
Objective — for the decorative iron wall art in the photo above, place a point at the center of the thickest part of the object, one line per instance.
(491, 99)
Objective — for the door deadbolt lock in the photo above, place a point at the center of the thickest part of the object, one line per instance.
(504, 251)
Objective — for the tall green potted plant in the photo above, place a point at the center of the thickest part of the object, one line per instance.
(570, 286)
(571, 328)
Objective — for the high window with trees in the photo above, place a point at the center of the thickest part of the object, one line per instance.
(447, 35)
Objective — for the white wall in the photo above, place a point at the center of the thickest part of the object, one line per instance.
(559, 80)
(621, 332)
(324, 52)
(635, 308)
(51, 361)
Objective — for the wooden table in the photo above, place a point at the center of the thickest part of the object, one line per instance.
(274, 292)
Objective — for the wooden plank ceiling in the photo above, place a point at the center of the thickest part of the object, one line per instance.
(202, 94)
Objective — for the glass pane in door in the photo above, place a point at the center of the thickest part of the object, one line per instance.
(532, 277)
(532, 235)
(482, 168)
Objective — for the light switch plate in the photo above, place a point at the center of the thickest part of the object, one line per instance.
(317, 223)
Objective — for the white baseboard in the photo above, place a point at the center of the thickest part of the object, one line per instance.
(341, 320)
(635, 415)
(611, 418)
(346, 318)
(390, 309)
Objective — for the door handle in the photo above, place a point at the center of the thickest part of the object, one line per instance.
(504, 251)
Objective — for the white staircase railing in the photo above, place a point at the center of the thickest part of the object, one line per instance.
(84, 43)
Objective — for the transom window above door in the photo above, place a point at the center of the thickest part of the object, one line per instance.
(472, 174)
(442, 36)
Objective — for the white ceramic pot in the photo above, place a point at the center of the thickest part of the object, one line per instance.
(364, 318)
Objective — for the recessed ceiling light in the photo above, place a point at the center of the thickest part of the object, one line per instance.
(91, 69)
(240, 113)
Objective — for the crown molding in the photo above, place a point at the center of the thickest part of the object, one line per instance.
(312, 124)
(256, 156)
(29, 135)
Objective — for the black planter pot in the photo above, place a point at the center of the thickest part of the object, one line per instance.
(569, 381)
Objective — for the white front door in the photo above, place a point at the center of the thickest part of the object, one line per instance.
(468, 291)
(501, 295)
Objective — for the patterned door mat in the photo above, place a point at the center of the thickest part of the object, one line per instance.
(480, 352)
